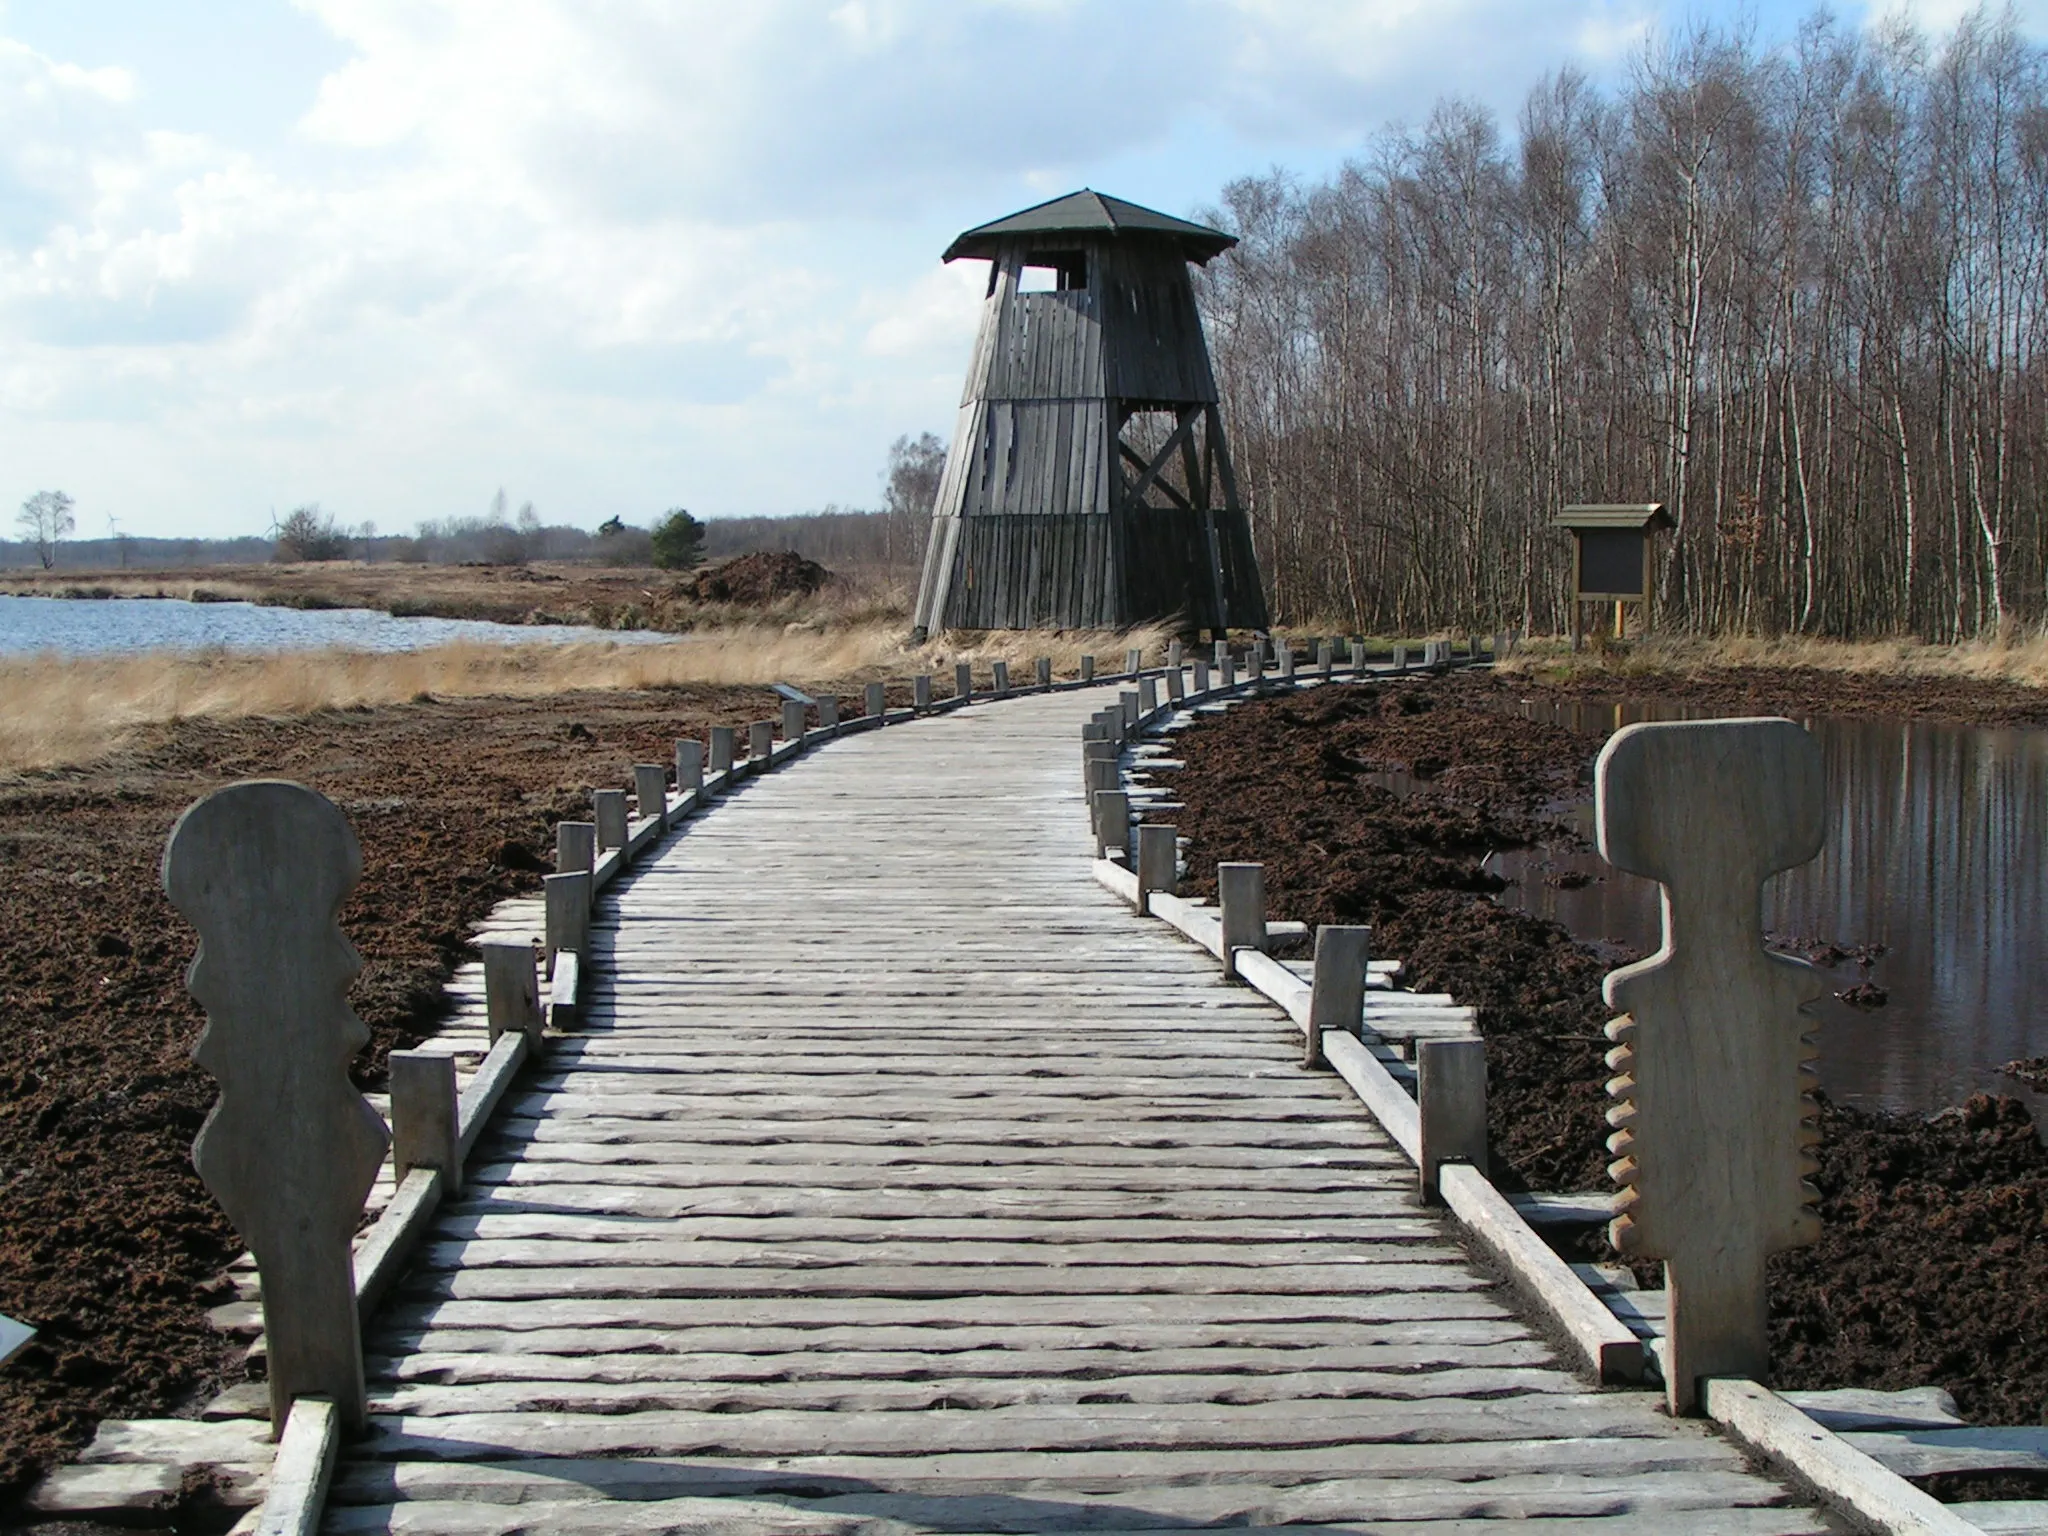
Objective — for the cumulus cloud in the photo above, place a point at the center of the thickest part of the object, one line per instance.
(616, 257)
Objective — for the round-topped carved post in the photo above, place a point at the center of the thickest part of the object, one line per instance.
(291, 1148)
(1715, 1122)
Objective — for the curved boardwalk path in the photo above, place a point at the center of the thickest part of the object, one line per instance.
(899, 1181)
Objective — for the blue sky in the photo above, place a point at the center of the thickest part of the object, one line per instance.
(390, 255)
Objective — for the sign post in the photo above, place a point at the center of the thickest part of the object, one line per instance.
(1611, 557)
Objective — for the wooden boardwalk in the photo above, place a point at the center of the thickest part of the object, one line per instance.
(901, 1181)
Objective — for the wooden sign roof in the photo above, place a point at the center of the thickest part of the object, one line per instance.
(1090, 213)
(1631, 514)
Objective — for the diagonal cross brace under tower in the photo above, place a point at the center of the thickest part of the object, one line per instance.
(1089, 484)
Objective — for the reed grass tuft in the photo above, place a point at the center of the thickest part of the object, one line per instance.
(58, 710)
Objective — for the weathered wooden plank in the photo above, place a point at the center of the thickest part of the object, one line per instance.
(1407, 1369)
(461, 1332)
(519, 1480)
(1106, 1426)
(801, 1252)
(880, 1281)
(933, 1389)
(584, 1311)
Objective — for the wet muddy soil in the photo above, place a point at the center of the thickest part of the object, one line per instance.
(108, 1242)
(1930, 1270)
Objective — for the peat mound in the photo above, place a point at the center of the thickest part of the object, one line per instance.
(1930, 1269)
(756, 580)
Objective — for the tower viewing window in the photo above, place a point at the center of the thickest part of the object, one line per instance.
(1053, 272)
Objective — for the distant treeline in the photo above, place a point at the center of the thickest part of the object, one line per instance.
(139, 553)
(1798, 297)
(834, 538)
(888, 540)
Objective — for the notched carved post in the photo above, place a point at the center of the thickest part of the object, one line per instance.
(1714, 1119)
(291, 1148)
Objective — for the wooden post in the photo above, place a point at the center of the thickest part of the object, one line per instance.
(511, 992)
(761, 741)
(1284, 653)
(921, 691)
(793, 720)
(963, 680)
(1134, 661)
(828, 712)
(1326, 659)
(575, 847)
(1112, 822)
(1173, 655)
(1715, 1123)
(722, 745)
(1220, 654)
(1227, 672)
(1241, 898)
(1358, 655)
(875, 699)
(1127, 701)
(291, 1148)
(1337, 992)
(608, 810)
(1148, 696)
(425, 1122)
(1201, 678)
(1176, 685)
(1001, 672)
(1158, 863)
(568, 915)
(1098, 768)
(689, 767)
(1450, 1092)
(1087, 669)
(650, 791)
(1044, 665)
(1400, 658)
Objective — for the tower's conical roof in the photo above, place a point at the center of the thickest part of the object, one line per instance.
(1092, 213)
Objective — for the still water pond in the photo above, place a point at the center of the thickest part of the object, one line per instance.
(1935, 851)
(103, 626)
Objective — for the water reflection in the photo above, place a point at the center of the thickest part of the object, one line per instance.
(106, 626)
(1932, 852)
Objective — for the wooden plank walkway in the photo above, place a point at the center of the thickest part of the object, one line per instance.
(901, 1181)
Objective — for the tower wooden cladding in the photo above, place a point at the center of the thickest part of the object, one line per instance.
(1089, 484)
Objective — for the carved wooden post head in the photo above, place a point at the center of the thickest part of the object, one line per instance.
(1712, 1058)
(291, 1148)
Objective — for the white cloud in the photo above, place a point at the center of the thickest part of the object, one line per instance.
(616, 257)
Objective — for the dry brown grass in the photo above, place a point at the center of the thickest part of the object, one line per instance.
(2015, 658)
(62, 710)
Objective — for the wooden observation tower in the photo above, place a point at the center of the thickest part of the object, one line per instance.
(1089, 485)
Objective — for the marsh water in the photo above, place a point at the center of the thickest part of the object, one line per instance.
(1934, 852)
(110, 626)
